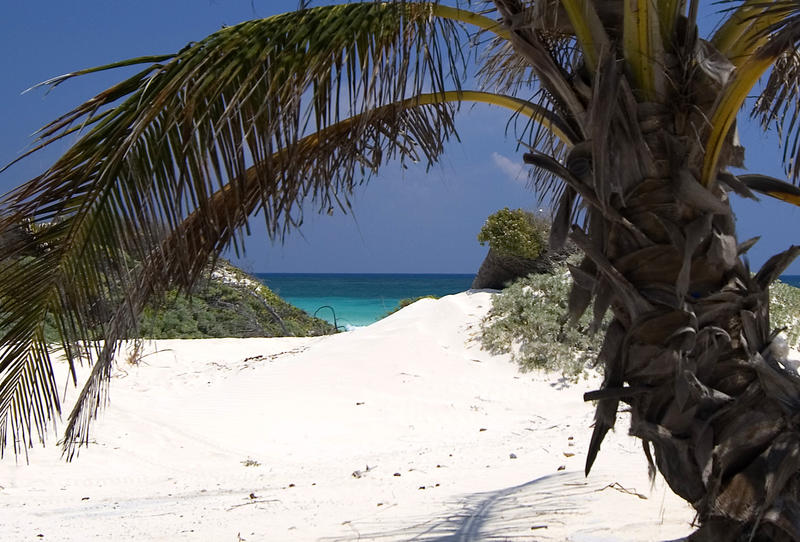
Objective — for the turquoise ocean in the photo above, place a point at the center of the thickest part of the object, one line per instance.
(361, 299)
(358, 299)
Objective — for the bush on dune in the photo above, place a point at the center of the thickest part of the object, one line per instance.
(516, 233)
(784, 310)
(527, 320)
(226, 303)
(229, 303)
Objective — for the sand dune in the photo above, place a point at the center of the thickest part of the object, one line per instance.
(403, 430)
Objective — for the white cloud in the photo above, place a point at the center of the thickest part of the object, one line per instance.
(514, 170)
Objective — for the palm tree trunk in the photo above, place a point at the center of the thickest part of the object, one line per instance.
(689, 351)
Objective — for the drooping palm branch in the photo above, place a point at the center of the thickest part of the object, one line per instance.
(772, 187)
(255, 118)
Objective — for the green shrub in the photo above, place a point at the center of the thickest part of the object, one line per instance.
(230, 303)
(226, 303)
(514, 233)
(784, 311)
(527, 320)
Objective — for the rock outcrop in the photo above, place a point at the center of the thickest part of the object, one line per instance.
(498, 269)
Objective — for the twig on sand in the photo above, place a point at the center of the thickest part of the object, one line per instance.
(618, 487)
(255, 501)
(349, 523)
(271, 357)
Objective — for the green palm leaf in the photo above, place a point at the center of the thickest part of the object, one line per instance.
(157, 146)
(183, 254)
(758, 37)
(174, 160)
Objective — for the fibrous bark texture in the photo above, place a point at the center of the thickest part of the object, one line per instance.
(688, 349)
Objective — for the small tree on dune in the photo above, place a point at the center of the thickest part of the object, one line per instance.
(631, 135)
(517, 247)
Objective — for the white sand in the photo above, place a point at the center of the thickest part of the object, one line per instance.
(401, 430)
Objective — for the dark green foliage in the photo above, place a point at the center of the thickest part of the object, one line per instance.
(514, 233)
(229, 303)
(527, 320)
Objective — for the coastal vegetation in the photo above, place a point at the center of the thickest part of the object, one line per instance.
(224, 302)
(528, 320)
(514, 233)
(784, 308)
(227, 302)
(632, 138)
(517, 248)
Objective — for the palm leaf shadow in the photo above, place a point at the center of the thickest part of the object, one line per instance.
(537, 510)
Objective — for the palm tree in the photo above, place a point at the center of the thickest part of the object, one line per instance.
(631, 132)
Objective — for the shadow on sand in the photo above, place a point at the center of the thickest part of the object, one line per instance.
(535, 510)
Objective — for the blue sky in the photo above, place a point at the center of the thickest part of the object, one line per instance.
(403, 221)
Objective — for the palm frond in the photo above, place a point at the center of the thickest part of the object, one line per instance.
(476, 19)
(778, 106)
(669, 12)
(588, 30)
(734, 27)
(209, 229)
(749, 26)
(770, 186)
(537, 136)
(502, 69)
(643, 47)
(770, 38)
(543, 42)
(529, 44)
(182, 129)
